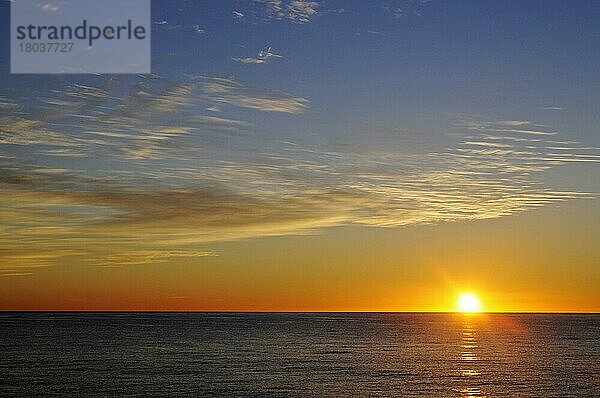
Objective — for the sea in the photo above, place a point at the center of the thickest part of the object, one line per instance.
(299, 355)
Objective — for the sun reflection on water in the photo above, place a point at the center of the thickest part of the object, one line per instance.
(469, 369)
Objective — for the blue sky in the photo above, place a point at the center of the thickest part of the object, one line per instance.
(366, 60)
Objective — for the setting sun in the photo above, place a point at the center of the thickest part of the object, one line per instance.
(468, 302)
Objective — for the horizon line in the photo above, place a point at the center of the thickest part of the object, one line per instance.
(2, 311)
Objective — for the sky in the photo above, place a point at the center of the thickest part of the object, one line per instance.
(312, 156)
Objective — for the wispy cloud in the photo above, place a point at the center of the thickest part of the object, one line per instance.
(145, 217)
(514, 122)
(553, 108)
(505, 126)
(228, 91)
(49, 7)
(142, 257)
(238, 15)
(265, 55)
(301, 11)
(153, 119)
(297, 11)
(156, 187)
(9, 274)
(406, 8)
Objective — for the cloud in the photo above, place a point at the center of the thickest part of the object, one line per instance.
(49, 7)
(514, 122)
(248, 60)
(169, 212)
(374, 32)
(220, 124)
(265, 55)
(228, 91)
(503, 126)
(297, 11)
(14, 258)
(273, 8)
(399, 12)
(162, 180)
(409, 8)
(149, 118)
(532, 132)
(553, 108)
(301, 11)
(8, 105)
(142, 257)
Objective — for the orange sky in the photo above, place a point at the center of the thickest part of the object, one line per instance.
(545, 260)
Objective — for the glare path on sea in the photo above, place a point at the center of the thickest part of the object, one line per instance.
(468, 363)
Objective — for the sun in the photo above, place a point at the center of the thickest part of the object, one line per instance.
(468, 302)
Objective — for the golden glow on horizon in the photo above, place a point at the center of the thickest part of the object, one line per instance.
(468, 302)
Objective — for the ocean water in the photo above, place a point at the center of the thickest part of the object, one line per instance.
(279, 355)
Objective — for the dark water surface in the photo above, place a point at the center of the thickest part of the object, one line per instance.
(345, 354)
